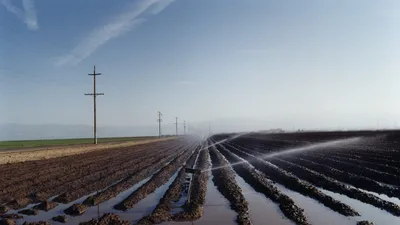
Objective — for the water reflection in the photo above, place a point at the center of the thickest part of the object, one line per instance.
(368, 212)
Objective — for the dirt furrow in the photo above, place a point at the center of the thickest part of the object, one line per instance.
(60, 166)
(162, 211)
(38, 167)
(336, 173)
(368, 154)
(344, 176)
(101, 181)
(330, 184)
(36, 184)
(194, 209)
(49, 182)
(78, 185)
(83, 164)
(261, 184)
(156, 181)
(381, 167)
(107, 219)
(390, 159)
(224, 180)
(129, 181)
(360, 170)
(291, 182)
(21, 168)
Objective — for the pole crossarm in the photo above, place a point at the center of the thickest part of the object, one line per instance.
(94, 94)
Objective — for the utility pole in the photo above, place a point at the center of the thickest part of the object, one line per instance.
(176, 125)
(184, 127)
(94, 94)
(209, 129)
(159, 120)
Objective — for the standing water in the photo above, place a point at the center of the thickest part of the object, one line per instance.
(368, 212)
(261, 208)
(315, 212)
(216, 209)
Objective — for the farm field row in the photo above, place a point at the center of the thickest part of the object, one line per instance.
(248, 178)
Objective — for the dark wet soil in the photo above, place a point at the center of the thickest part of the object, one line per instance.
(36, 223)
(3, 209)
(11, 216)
(113, 173)
(61, 219)
(45, 206)
(364, 223)
(7, 222)
(259, 182)
(291, 182)
(76, 209)
(144, 170)
(225, 182)
(327, 183)
(34, 181)
(29, 212)
(345, 176)
(160, 178)
(194, 209)
(107, 219)
(162, 211)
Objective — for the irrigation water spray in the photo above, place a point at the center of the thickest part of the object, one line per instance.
(224, 140)
(340, 142)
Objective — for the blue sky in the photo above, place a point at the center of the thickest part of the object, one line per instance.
(308, 64)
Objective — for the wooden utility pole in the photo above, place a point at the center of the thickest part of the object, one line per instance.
(184, 127)
(94, 94)
(176, 126)
(159, 120)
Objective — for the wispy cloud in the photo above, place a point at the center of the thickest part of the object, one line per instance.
(28, 15)
(118, 26)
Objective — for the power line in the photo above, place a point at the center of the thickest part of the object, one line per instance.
(94, 94)
(176, 125)
(159, 120)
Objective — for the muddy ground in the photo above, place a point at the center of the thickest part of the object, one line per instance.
(363, 170)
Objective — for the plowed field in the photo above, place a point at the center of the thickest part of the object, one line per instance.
(251, 178)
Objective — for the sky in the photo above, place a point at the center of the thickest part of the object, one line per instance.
(308, 64)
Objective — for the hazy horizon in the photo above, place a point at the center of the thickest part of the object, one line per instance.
(237, 65)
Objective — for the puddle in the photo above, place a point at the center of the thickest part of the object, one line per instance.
(146, 205)
(368, 212)
(383, 196)
(315, 212)
(47, 216)
(262, 209)
(177, 205)
(216, 208)
(105, 207)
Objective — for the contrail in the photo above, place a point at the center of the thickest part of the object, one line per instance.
(28, 15)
